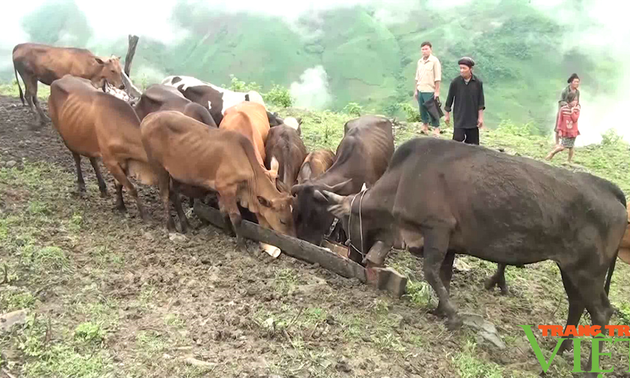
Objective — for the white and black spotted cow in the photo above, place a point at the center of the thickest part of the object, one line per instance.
(215, 98)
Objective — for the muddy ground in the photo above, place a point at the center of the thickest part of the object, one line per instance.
(110, 295)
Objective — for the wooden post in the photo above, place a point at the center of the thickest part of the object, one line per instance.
(291, 246)
(131, 51)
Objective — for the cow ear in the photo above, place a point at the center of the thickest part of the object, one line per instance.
(299, 119)
(306, 171)
(264, 202)
(320, 197)
(282, 187)
(295, 189)
(99, 60)
(340, 205)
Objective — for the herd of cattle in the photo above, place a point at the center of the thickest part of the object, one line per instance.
(434, 196)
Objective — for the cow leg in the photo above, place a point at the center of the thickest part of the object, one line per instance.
(446, 273)
(590, 286)
(119, 174)
(576, 308)
(120, 204)
(498, 279)
(229, 207)
(31, 96)
(102, 187)
(80, 181)
(164, 180)
(436, 242)
(183, 221)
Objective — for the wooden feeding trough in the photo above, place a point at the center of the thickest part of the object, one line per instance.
(336, 259)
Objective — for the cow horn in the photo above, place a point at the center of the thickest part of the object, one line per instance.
(319, 196)
(332, 197)
(337, 187)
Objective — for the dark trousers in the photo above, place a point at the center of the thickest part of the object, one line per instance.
(469, 136)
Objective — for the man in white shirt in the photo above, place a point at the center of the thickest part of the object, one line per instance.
(428, 78)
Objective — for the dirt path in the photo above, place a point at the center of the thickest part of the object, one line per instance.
(115, 296)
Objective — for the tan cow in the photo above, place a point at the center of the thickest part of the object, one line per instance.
(315, 163)
(249, 119)
(224, 161)
(36, 62)
(95, 124)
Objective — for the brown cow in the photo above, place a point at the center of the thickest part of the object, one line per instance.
(285, 153)
(224, 161)
(163, 97)
(250, 119)
(95, 124)
(315, 164)
(35, 62)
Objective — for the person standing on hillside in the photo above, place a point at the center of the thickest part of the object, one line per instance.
(428, 78)
(567, 126)
(574, 84)
(466, 91)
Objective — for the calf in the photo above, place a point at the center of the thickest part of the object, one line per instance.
(36, 62)
(362, 157)
(95, 124)
(284, 153)
(224, 161)
(163, 97)
(507, 209)
(315, 164)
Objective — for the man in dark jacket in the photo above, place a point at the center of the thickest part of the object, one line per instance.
(467, 92)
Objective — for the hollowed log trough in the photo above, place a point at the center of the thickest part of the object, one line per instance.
(374, 273)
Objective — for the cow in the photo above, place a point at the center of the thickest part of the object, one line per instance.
(215, 98)
(37, 62)
(248, 118)
(624, 249)
(362, 157)
(285, 151)
(163, 97)
(315, 164)
(506, 209)
(98, 125)
(190, 153)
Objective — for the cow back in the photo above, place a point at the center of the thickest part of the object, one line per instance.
(250, 120)
(315, 164)
(287, 148)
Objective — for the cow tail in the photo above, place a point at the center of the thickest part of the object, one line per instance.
(18, 84)
(611, 269)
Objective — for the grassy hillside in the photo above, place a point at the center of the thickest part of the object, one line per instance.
(367, 61)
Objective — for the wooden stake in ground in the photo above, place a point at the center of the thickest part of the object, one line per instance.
(131, 51)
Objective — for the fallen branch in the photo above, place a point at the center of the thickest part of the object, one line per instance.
(198, 363)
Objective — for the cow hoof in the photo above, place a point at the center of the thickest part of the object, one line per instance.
(104, 194)
(454, 323)
(489, 284)
(504, 290)
(567, 345)
(121, 208)
(439, 312)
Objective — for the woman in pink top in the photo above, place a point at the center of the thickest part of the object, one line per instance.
(567, 126)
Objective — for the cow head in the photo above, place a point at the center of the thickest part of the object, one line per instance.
(310, 213)
(110, 71)
(366, 231)
(274, 119)
(277, 212)
(294, 123)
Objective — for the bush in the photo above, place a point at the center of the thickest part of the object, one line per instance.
(412, 114)
(237, 85)
(279, 96)
(610, 137)
(353, 109)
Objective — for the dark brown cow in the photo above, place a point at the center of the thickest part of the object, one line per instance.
(315, 164)
(624, 249)
(285, 152)
(468, 199)
(193, 154)
(163, 97)
(96, 124)
(36, 62)
(362, 157)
